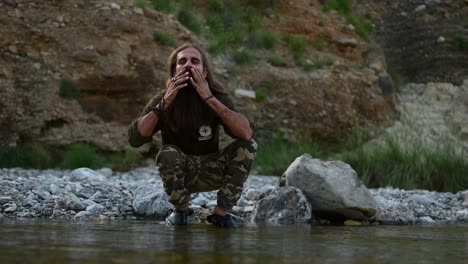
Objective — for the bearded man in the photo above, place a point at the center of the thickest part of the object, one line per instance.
(189, 113)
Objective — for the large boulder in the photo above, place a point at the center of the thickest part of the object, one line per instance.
(332, 187)
(151, 201)
(283, 205)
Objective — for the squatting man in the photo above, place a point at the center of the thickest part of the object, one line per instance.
(189, 113)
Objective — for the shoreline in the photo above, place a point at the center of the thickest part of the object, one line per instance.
(104, 194)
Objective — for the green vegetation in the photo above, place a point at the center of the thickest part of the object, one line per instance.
(274, 156)
(321, 22)
(187, 18)
(67, 89)
(164, 38)
(461, 42)
(27, 156)
(34, 155)
(362, 25)
(277, 61)
(391, 163)
(243, 57)
(298, 46)
(263, 39)
(409, 166)
(163, 5)
(141, 3)
(319, 44)
(260, 96)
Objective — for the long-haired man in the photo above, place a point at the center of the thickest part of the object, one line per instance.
(189, 113)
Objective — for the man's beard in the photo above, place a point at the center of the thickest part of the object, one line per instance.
(188, 110)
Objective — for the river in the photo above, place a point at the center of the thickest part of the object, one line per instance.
(146, 241)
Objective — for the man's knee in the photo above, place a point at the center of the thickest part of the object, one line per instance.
(249, 145)
(245, 149)
(169, 155)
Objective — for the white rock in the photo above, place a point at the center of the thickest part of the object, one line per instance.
(115, 6)
(138, 10)
(419, 8)
(244, 93)
(86, 174)
(440, 39)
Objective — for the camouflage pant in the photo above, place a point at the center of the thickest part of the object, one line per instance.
(225, 170)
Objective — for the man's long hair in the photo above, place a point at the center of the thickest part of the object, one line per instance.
(188, 110)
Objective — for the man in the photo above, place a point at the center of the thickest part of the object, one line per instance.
(188, 113)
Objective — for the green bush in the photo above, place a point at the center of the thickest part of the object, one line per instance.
(141, 3)
(362, 26)
(163, 6)
(189, 20)
(260, 96)
(461, 42)
(409, 166)
(341, 6)
(252, 20)
(274, 156)
(319, 44)
(164, 38)
(26, 156)
(277, 61)
(297, 44)
(243, 57)
(81, 155)
(67, 89)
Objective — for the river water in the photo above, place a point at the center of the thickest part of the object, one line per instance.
(144, 241)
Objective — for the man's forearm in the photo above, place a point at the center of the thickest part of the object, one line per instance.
(147, 123)
(237, 123)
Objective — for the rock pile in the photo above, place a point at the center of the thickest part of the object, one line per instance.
(103, 194)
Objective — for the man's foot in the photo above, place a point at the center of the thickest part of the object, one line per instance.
(226, 221)
(177, 217)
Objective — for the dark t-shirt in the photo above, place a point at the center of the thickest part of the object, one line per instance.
(197, 141)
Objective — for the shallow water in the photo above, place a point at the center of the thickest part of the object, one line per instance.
(143, 241)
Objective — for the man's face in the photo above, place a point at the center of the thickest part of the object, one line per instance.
(189, 57)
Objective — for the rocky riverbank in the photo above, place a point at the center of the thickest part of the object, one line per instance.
(103, 194)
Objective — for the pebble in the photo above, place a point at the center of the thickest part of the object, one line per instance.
(115, 6)
(420, 8)
(440, 39)
(52, 193)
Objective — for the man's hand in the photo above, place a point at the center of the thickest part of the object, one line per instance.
(200, 84)
(178, 82)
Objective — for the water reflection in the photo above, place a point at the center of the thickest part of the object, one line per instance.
(150, 242)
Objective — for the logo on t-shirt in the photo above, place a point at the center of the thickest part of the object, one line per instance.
(205, 133)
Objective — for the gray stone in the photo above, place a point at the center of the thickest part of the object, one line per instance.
(347, 42)
(423, 199)
(240, 93)
(105, 172)
(82, 215)
(465, 201)
(1, 216)
(88, 202)
(432, 2)
(386, 84)
(200, 200)
(420, 8)
(5, 199)
(211, 204)
(25, 214)
(253, 194)
(332, 187)
(12, 3)
(283, 205)
(86, 175)
(95, 208)
(10, 208)
(73, 203)
(151, 201)
(395, 215)
(425, 220)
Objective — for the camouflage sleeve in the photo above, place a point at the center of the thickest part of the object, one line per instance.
(226, 100)
(135, 139)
